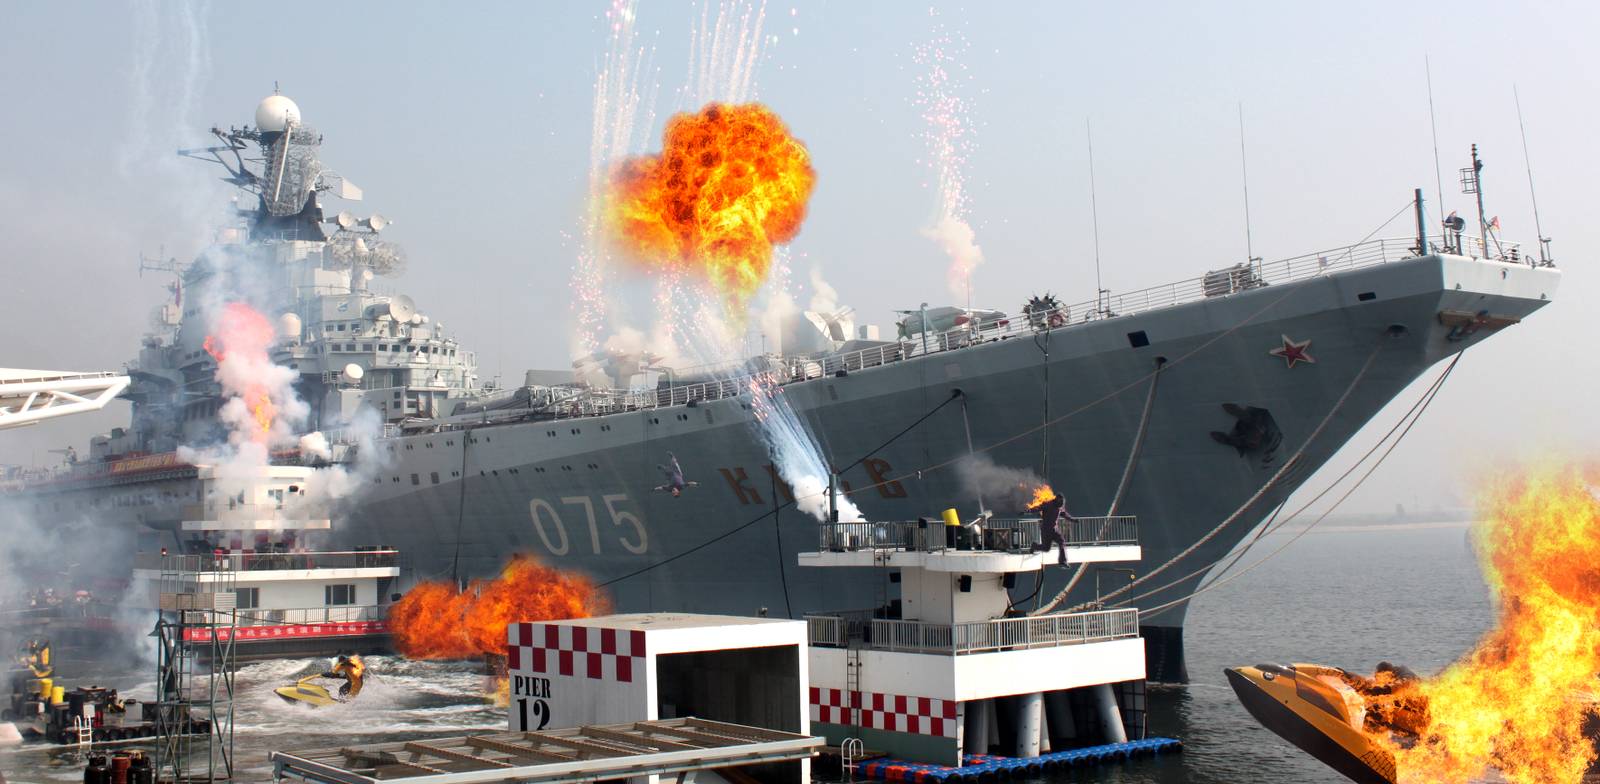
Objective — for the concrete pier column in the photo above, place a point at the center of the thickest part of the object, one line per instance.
(989, 710)
(1110, 715)
(1063, 731)
(1030, 719)
(975, 738)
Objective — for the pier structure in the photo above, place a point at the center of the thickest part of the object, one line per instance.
(195, 669)
(643, 667)
(950, 668)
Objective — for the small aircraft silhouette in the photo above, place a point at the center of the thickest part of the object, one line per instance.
(674, 473)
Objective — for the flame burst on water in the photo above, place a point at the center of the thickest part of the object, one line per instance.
(242, 346)
(729, 184)
(1518, 702)
(436, 621)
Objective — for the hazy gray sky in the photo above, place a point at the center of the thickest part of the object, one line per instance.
(469, 125)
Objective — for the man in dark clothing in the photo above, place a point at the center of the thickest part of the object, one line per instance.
(1051, 513)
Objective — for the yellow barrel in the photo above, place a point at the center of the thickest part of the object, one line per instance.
(951, 518)
(58, 695)
(44, 688)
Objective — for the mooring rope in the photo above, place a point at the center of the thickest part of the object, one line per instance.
(1418, 408)
(1270, 527)
(1272, 482)
(1122, 488)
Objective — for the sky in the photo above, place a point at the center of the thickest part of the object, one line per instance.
(469, 126)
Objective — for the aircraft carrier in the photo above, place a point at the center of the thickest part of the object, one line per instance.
(1214, 397)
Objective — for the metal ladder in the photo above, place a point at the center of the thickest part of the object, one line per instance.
(850, 752)
(84, 730)
(852, 681)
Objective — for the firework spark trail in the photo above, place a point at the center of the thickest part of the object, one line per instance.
(948, 136)
(793, 449)
(723, 53)
(624, 110)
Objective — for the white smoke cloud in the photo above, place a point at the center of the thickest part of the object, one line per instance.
(315, 445)
(330, 489)
(958, 241)
(1004, 488)
(824, 298)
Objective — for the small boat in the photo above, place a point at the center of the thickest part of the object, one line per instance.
(303, 692)
(1314, 708)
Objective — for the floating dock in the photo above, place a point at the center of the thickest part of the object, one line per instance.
(988, 767)
(590, 753)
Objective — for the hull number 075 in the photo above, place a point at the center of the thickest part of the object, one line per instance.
(625, 528)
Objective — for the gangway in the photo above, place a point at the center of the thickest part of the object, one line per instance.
(589, 753)
(29, 396)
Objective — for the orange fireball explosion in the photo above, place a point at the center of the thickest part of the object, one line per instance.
(242, 345)
(730, 183)
(1041, 495)
(1518, 702)
(435, 621)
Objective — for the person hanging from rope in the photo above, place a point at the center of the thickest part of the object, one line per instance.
(350, 669)
(1051, 514)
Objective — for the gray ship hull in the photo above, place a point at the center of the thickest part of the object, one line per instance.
(577, 493)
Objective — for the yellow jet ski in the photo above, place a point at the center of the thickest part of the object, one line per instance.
(303, 692)
(1312, 707)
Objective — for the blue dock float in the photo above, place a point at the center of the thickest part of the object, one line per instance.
(987, 767)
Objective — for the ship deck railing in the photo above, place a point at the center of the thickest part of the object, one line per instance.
(301, 616)
(204, 563)
(995, 534)
(1216, 283)
(1001, 634)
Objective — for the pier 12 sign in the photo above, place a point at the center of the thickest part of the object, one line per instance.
(568, 675)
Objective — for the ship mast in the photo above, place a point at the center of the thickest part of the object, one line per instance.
(1472, 184)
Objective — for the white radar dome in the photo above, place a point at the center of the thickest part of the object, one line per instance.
(289, 326)
(352, 373)
(275, 112)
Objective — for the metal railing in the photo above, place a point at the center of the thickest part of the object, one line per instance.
(309, 615)
(995, 534)
(1216, 283)
(256, 562)
(1001, 634)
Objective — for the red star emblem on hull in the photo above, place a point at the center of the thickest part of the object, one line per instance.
(1293, 351)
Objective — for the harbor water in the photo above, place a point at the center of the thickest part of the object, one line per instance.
(1342, 595)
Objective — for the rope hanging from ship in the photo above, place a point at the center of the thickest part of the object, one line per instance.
(1122, 488)
(1270, 527)
(1277, 476)
(1414, 415)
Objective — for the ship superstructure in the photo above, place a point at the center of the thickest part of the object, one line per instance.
(1202, 405)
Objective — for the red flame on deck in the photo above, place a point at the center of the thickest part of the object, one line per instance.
(1519, 701)
(729, 184)
(436, 621)
(243, 342)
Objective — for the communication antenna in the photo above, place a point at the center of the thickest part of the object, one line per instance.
(1544, 242)
(1244, 171)
(1433, 125)
(1101, 295)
